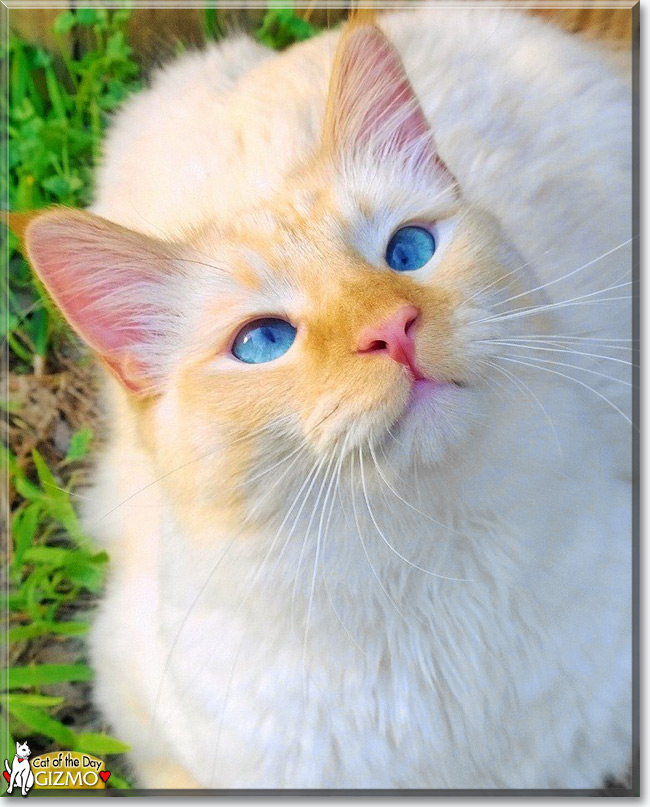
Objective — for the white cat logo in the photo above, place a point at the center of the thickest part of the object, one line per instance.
(20, 772)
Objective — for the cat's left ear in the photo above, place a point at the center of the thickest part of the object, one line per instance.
(372, 107)
(123, 292)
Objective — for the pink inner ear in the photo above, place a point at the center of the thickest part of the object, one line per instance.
(87, 275)
(112, 285)
(372, 69)
(112, 332)
(372, 105)
(84, 303)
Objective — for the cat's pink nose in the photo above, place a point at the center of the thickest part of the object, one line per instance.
(394, 336)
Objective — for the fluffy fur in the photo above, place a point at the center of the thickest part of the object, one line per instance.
(319, 580)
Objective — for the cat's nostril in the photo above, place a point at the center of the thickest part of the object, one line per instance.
(410, 323)
(374, 346)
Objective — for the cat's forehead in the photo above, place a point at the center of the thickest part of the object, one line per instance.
(301, 215)
(278, 241)
(322, 227)
(333, 206)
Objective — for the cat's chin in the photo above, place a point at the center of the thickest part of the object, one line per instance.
(437, 417)
(424, 390)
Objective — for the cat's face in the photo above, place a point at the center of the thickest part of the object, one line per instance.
(348, 314)
(22, 750)
(359, 348)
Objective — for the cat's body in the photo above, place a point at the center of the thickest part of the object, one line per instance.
(461, 619)
(497, 690)
(20, 772)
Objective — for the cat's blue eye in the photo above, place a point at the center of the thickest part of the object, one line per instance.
(410, 248)
(263, 340)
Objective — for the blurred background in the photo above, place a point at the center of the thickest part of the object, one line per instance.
(65, 72)
(149, 29)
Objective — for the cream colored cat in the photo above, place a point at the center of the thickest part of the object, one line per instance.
(367, 492)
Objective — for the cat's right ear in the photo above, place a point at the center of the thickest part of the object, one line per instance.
(118, 289)
(372, 109)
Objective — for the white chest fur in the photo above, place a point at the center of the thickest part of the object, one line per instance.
(335, 663)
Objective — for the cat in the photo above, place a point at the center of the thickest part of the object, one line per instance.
(365, 312)
(20, 773)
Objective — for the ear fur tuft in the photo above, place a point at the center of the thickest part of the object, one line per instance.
(18, 222)
(361, 15)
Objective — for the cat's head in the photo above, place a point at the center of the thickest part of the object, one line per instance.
(349, 312)
(22, 750)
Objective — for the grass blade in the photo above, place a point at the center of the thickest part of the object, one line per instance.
(40, 722)
(42, 674)
(100, 744)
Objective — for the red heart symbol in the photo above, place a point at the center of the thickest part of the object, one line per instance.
(105, 775)
(7, 777)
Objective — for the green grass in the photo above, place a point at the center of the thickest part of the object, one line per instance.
(282, 27)
(57, 112)
(51, 568)
(56, 120)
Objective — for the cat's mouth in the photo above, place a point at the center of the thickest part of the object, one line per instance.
(436, 414)
(422, 385)
(423, 389)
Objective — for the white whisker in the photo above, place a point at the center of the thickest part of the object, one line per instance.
(408, 504)
(576, 381)
(575, 367)
(325, 586)
(173, 471)
(559, 303)
(307, 537)
(563, 350)
(522, 312)
(314, 472)
(501, 278)
(387, 542)
(527, 390)
(365, 552)
(565, 338)
(569, 274)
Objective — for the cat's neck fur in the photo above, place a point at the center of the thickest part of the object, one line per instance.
(346, 524)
